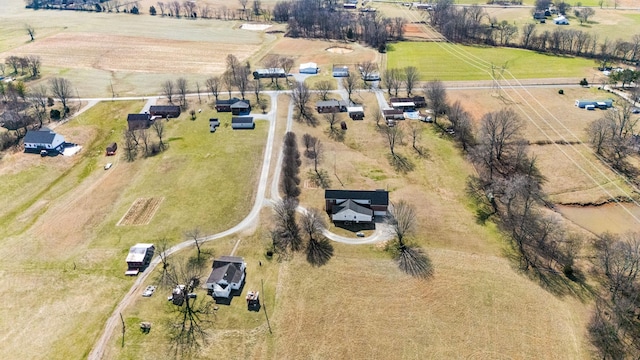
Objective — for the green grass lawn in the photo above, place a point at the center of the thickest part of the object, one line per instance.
(63, 234)
(459, 62)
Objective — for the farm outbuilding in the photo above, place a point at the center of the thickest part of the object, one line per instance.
(356, 112)
(601, 104)
(225, 105)
(331, 106)
(270, 73)
(165, 111)
(242, 122)
(309, 68)
(241, 107)
(44, 139)
(139, 258)
(139, 121)
(418, 101)
(393, 114)
(340, 71)
(404, 106)
(561, 20)
(228, 274)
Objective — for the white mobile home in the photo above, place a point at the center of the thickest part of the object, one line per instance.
(309, 68)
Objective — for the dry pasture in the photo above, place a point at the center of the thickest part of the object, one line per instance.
(141, 211)
(574, 174)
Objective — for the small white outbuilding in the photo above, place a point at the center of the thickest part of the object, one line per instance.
(309, 68)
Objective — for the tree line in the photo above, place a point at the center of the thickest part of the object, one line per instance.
(324, 20)
(471, 24)
(23, 108)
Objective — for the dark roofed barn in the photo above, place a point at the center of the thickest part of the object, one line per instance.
(165, 111)
(139, 121)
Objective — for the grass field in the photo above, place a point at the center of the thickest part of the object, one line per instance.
(459, 62)
(64, 252)
(134, 54)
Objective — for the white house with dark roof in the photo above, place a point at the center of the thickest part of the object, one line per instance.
(356, 205)
(43, 139)
(228, 274)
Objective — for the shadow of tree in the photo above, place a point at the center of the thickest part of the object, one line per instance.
(401, 163)
(336, 134)
(321, 178)
(413, 261)
(319, 252)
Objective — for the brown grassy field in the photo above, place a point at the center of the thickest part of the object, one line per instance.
(574, 174)
(134, 54)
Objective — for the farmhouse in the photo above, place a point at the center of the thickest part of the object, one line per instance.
(601, 104)
(393, 114)
(418, 101)
(165, 111)
(270, 73)
(228, 274)
(242, 122)
(225, 105)
(340, 71)
(356, 205)
(139, 121)
(241, 107)
(309, 68)
(331, 106)
(44, 139)
(355, 112)
(139, 258)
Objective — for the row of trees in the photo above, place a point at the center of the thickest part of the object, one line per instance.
(191, 9)
(613, 137)
(29, 64)
(22, 108)
(614, 327)
(323, 19)
(471, 24)
(139, 141)
(289, 234)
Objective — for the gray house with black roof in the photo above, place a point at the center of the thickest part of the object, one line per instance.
(43, 139)
(228, 274)
(356, 205)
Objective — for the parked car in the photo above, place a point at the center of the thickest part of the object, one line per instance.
(149, 291)
(108, 166)
(360, 234)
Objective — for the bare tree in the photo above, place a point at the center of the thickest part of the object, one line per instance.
(158, 126)
(161, 5)
(583, 14)
(34, 65)
(319, 250)
(198, 91)
(437, 97)
(196, 235)
(182, 87)
(402, 221)
(163, 247)
(411, 78)
(415, 130)
(243, 3)
(130, 145)
(213, 84)
(290, 166)
(323, 87)
(257, 87)
(332, 119)
(498, 139)
(188, 332)
(143, 136)
(38, 98)
(394, 135)
(31, 31)
(242, 80)
(286, 234)
(168, 90)
(301, 95)
(228, 82)
(350, 84)
(392, 80)
(62, 89)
